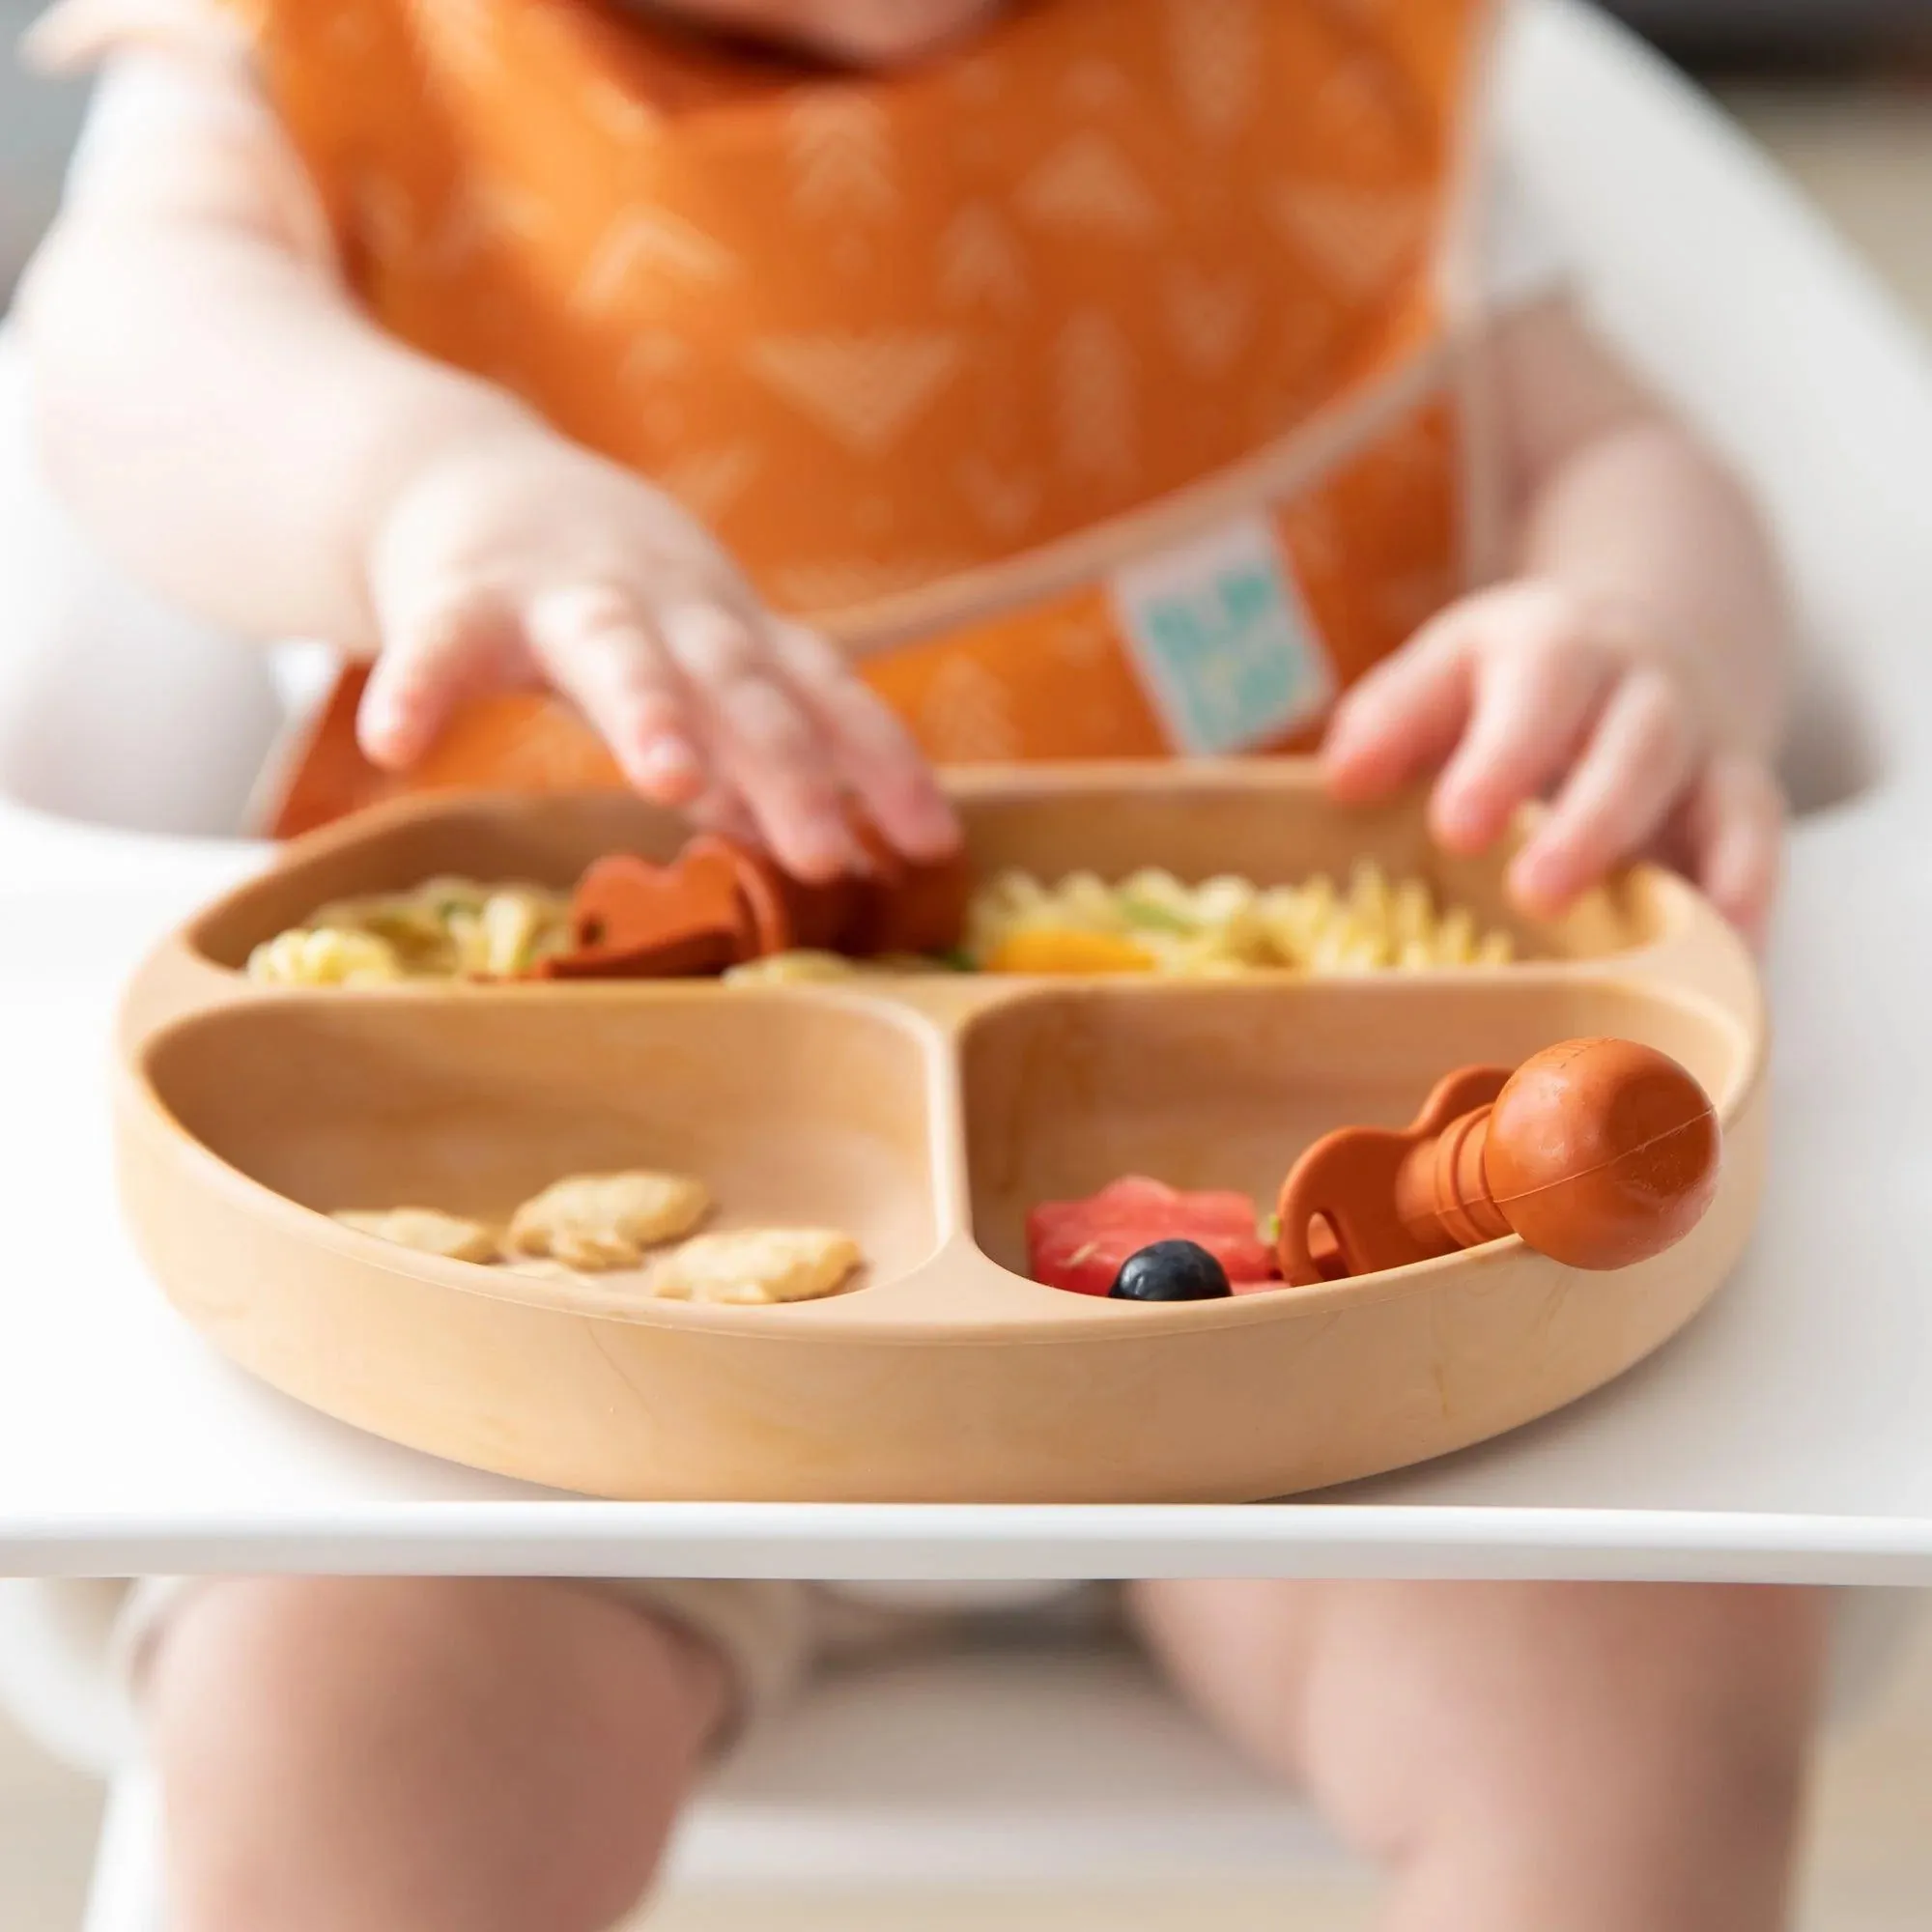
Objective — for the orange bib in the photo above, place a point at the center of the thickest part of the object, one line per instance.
(1093, 386)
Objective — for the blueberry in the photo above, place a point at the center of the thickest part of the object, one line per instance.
(1170, 1272)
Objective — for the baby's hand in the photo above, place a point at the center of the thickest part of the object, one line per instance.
(1532, 691)
(516, 559)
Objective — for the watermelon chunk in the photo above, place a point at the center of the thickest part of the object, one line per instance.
(1081, 1245)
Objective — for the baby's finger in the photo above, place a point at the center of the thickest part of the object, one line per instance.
(1735, 822)
(1621, 791)
(1400, 720)
(875, 753)
(436, 651)
(724, 811)
(763, 740)
(1532, 706)
(599, 650)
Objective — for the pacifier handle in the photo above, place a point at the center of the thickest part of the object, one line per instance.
(1600, 1153)
(720, 904)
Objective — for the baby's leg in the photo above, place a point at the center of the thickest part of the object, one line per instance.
(1522, 1757)
(413, 1756)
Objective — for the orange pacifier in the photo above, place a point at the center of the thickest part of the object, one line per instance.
(1598, 1153)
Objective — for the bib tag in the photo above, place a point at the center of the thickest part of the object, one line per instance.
(1223, 641)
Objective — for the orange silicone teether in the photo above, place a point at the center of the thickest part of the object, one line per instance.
(1598, 1153)
(636, 921)
(906, 905)
(766, 924)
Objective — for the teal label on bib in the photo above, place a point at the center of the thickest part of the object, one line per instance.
(1224, 642)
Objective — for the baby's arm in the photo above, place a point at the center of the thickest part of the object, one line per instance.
(1633, 669)
(209, 401)
(225, 420)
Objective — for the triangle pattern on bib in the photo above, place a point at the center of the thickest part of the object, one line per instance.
(866, 390)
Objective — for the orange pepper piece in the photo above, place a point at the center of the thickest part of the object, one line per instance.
(1057, 951)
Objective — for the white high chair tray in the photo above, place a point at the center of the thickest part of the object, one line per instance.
(1786, 1437)
(1782, 1437)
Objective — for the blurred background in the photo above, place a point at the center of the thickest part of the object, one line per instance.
(1841, 92)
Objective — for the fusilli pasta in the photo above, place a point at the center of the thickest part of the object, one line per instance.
(1230, 925)
(444, 929)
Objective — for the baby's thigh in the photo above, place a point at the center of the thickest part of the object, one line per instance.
(508, 1735)
(1389, 1702)
(352, 1665)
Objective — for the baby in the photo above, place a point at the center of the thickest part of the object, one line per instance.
(227, 411)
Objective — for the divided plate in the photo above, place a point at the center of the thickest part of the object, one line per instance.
(924, 1116)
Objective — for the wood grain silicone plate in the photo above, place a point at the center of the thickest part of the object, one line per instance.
(924, 1116)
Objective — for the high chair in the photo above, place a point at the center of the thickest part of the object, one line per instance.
(1780, 1440)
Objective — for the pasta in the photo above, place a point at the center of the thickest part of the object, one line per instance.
(324, 956)
(1151, 922)
(444, 929)
(1230, 925)
(795, 969)
(809, 969)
